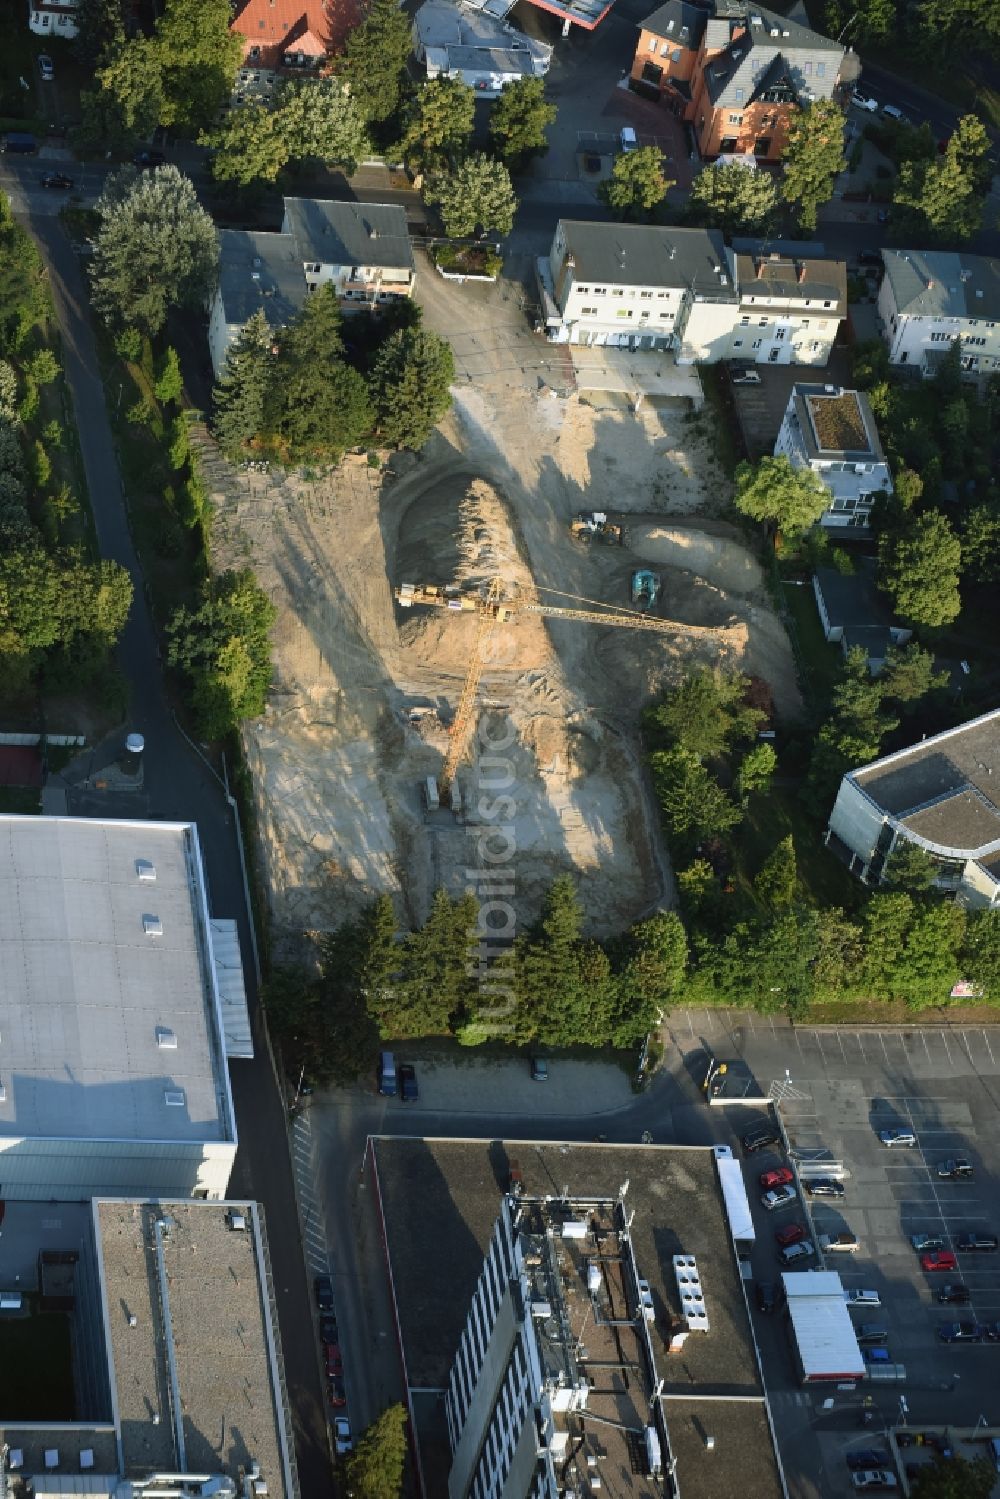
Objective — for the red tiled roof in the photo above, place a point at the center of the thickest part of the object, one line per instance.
(313, 27)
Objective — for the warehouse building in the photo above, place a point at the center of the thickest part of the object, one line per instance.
(113, 1037)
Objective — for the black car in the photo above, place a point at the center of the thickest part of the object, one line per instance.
(323, 1291)
(872, 1333)
(867, 1457)
(767, 1296)
(960, 1332)
(760, 1138)
(992, 1331)
(148, 159)
(823, 1186)
(954, 1295)
(328, 1329)
(868, 257)
(58, 180)
(969, 1243)
(955, 1170)
(408, 1090)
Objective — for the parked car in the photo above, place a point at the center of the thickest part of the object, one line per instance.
(386, 1076)
(790, 1235)
(780, 1197)
(824, 1186)
(871, 1333)
(409, 1092)
(960, 1332)
(58, 180)
(862, 1297)
(923, 1243)
(46, 67)
(867, 1457)
(842, 1243)
(897, 1137)
(779, 1177)
(629, 139)
(333, 1360)
(328, 1329)
(942, 1259)
(893, 112)
(323, 1291)
(767, 1298)
(866, 102)
(343, 1441)
(970, 1243)
(874, 1478)
(957, 1169)
(335, 1393)
(760, 1138)
(743, 374)
(146, 158)
(992, 1332)
(539, 1070)
(953, 1295)
(796, 1253)
(876, 1354)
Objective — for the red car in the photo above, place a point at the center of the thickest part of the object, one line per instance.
(791, 1235)
(781, 1176)
(334, 1362)
(335, 1393)
(942, 1260)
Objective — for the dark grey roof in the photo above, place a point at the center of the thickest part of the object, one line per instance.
(260, 272)
(766, 49)
(677, 22)
(963, 819)
(874, 640)
(791, 249)
(851, 600)
(793, 279)
(335, 233)
(939, 283)
(937, 768)
(644, 255)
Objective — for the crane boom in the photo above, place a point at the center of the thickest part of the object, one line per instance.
(493, 607)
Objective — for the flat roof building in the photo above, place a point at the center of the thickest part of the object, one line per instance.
(832, 432)
(177, 1376)
(587, 1322)
(113, 1060)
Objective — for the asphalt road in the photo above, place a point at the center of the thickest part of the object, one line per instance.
(179, 786)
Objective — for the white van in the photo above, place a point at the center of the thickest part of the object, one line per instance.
(10, 1301)
(862, 1298)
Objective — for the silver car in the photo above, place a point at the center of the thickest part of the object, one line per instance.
(897, 1137)
(779, 1197)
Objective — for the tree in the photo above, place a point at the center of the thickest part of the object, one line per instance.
(777, 880)
(374, 1470)
(637, 183)
(908, 675)
(410, 386)
(792, 499)
(169, 381)
(320, 120)
(440, 123)
(155, 248)
(981, 544)
(249, 145)
(755, 771)
(375, 58)
(814, 157)
(839, 954)
(224, 650)
(886, 922)
(127, 100)
(694, 805)
(943, 197)
(42, 367)
(652, 960)
(240, 393)
(100, 27)
(518, 121)
(920, 569)
(477, 195)
(316, 405)
(929, 965)
(909, 868)
(198, 58)
(706, 712)
(981, 953)
(433, 987)
(735, 198)
(852, 732)
(562, 981)
(8, 392)
(953, 1477)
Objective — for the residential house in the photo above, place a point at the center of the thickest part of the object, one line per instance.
(289, 39)
(363, 248)
(738, 73)
(629, 285)
(928, 298)
(832, 432)
(258, 272)
(854, 613)
(938, 795)
(792, 300)
(50, 18)
(466, 42)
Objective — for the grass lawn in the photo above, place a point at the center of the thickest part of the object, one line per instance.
(770, 818)
(819, 660)
(36, 1372)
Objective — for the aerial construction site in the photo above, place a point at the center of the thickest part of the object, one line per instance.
(451, 600)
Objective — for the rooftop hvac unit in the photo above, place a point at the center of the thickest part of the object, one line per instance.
(692, 1297)
(574, 1229)
(593, 1279)
(654, 1457)
(166, 1039)
(146, 870)
(174, 1098)
(237, 1221)
(152, 926)
(541, 1310)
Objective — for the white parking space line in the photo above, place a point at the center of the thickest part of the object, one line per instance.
(986, 1043)
(884, 1052)
(923, 1037)
(947, 1048)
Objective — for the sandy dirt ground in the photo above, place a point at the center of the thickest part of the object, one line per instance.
(364, 691)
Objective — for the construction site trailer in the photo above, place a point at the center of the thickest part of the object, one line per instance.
(823, 1336)
(734, 1193)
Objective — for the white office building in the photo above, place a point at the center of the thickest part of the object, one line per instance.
(113, 1032)
(928, 298)
(832, 432)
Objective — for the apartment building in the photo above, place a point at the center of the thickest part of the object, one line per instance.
(258, 272)
(832, 432)
(363, 248)
(928, 298)
(467, 42)
(792, 298)
(738, 73)
(50, 18)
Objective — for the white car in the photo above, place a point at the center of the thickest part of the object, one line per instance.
(866, 102)
(46, 68)
(842, 1243)
(874, 1478)
(891, 1137)
(629, 139)
(859, 1297)
(342, 1435)
(779, 1197)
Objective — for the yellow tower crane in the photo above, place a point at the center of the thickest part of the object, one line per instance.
(495, 605)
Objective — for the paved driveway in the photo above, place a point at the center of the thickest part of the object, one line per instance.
(761, 408)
